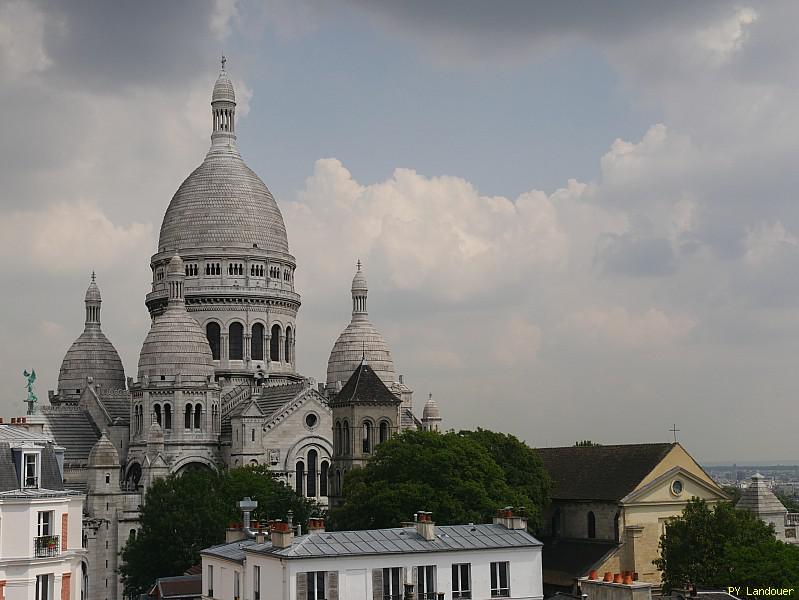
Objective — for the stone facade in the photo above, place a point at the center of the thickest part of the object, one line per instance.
(217, 385)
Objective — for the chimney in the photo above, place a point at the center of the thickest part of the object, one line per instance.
(281, 533)
(316, 525)
(615, 586)
(234, 533)
(425, 526)
(510, 520)
(260, 537)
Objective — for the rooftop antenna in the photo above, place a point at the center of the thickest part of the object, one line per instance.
(674, 432)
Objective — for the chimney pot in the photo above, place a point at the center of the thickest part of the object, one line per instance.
(617, 578)
(592, 574)
(608, 576)
(628, 579)
(635, 575)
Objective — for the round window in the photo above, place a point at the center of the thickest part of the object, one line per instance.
(311, 420)
(676, 487)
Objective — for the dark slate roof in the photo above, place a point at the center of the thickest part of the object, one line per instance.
(116, 404)
(563, 560)
(273, 397)
(51, 478)
(408, 420)
(50, 482)
(401, 540)
(73, 429)
(9, 480)
(231, 551)
(365, 386)
(600, 472)
(182, 586)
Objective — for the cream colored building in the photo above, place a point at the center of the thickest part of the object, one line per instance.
(610, 505)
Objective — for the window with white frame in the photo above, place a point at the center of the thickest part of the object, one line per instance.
(44, 585)
(30, 472)
(210, 581)
(44, 523)
(426, 582)
(236, 585)
(462, 580)
(256, 582)
(392, 583)
(500, 579)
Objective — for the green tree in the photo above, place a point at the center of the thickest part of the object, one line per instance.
(521, 465)
(586, 444)
(452, 475)
(182, 514)
(733, 493)
(723, 546)
(789, 501)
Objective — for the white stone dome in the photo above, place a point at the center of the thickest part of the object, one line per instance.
(360, 339)
(103, 453)
(223, 203)
(91, 355)
(431, 410)
(176, 349)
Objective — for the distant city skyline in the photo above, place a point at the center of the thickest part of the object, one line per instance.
(578, 222)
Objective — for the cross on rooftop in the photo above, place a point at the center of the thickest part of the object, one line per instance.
(674, 431)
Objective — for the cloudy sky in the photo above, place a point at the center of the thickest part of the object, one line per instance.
(578, 220)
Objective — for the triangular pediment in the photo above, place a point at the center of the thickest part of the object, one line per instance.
(675, 486)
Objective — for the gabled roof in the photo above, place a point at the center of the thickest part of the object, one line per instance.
(600, 472)
(73, 429)
(365, 386)
(181, 586)
(273, 397)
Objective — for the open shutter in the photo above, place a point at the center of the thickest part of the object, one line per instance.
(377, 584)
(302, 586)
(331, 585)
(415, 581)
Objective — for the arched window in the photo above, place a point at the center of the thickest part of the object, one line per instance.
(300, 478)
(337, 438)
(215, 417)
(274, 343)
(347, 449)
(591, 525)
(312, 456)
(252, 435)
(383, 431)
(187, 417)
(287, 354)
(236, 341)
(616, 529)
(257, 343)
(167, 416)
(367, 437)
(212, 332)
(323, 475)
(338, 482)
(556, 523)
(198, 411)
(157, 409)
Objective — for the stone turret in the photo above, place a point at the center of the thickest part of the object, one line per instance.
(760, 500)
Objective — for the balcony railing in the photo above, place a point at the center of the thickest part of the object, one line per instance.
(46, 545)
(792, 519)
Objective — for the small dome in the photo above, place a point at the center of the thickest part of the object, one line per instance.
(360, 339)
(431, 410)
(93, 292)
(104, 454)
(91, 355)
(359, 281)
(223, 88)
(176, 345)
(175, 266)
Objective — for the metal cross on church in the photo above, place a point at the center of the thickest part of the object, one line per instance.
(674, 431)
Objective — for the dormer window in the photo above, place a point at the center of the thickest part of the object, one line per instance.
(30, 473)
